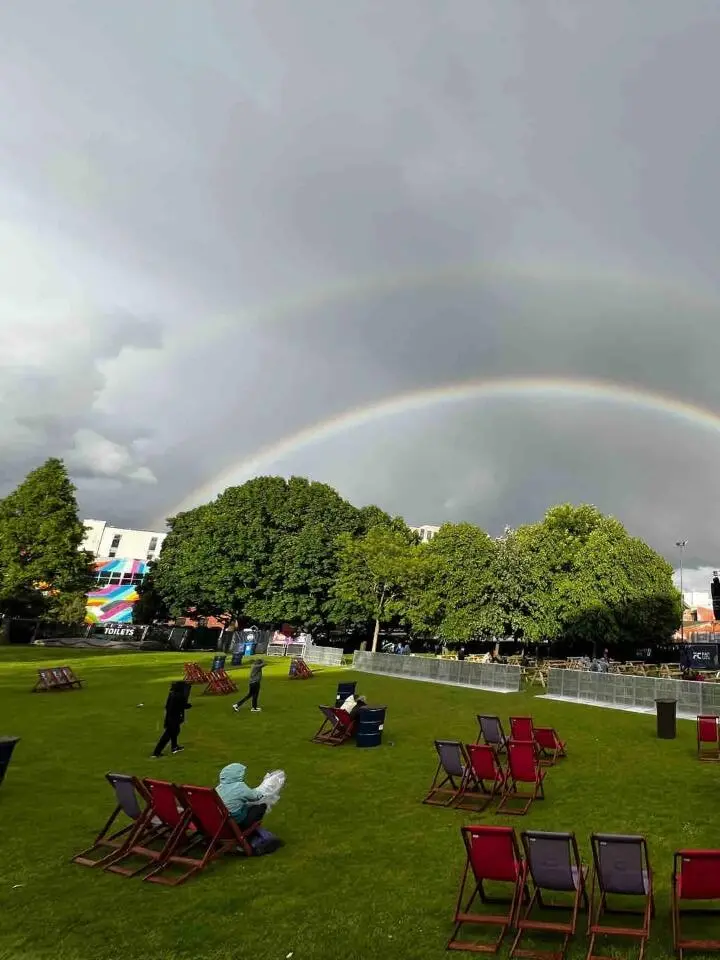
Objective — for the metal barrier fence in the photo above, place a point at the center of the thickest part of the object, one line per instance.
(627, 692)
(500, 677)
(324, 656)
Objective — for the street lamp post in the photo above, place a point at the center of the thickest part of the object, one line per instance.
(682, 544)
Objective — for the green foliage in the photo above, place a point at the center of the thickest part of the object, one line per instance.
(43, 571)
(149, 606)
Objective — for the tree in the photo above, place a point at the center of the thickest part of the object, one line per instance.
(43, 570)
(378, 574)
(149, 606)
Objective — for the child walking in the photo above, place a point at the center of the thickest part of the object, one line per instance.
(254, 690)
(175, 706)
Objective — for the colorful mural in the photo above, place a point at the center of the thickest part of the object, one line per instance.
(116, 592)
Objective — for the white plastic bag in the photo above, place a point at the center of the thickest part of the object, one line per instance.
(271, 786)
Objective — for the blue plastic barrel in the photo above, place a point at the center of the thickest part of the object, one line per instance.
(218, 662)
(237, 658)
(371, 721)
(344, 690)
(7, 745)
(250, 648)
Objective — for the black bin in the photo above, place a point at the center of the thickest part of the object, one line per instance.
(237, 658)
(344, 690)
(7, 745)
(218, 662)
(666, 718)
(369, 731)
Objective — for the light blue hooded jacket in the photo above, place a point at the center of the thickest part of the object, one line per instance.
(234, 792)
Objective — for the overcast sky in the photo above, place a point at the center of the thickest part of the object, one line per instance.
(224, 222)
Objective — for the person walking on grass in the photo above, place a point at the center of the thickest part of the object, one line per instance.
(254, 690)
(175, 706)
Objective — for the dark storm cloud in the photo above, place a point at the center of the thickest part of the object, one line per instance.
(199, 164)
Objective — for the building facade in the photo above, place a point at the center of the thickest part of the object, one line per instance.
(426, 532)
(106, 542)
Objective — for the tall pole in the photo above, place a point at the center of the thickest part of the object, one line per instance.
(682, 544)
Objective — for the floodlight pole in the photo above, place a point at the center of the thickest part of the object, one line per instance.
(682, 544)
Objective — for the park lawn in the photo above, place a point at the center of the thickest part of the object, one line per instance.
(367, 871)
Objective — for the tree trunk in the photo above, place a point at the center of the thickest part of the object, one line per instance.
(376, 634)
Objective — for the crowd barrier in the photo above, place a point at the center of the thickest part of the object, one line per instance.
(500, 677)
(324, 656)
(627, 692)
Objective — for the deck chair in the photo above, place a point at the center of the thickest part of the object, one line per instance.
(337, 727)
(621, 868)
(708, 738)
(551, 747)
(553, 864)
(522, 728)
(220, 683)
(523, 768)
(492, 856)
(147, 842)
(491, 732)
(216, 829)
(194, 673)
(450, 776)
(696, 877)
(50, 679)
(132, 800)
(484, 779)
(70, 678)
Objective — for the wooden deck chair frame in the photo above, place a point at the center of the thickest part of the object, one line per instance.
(500, 747)
(70, 677)
(598, 899)
(687, 857)
(506, 921)
(708, 749)
(550, 746)
(176, 834)
(114, 842)
(525, 923)
(226, 838)
(49, 680)
(512, 791)
(440, 795)
(334, 730)
(475, 795)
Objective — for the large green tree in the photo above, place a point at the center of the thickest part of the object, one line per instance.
(266, 550)
(43, 570)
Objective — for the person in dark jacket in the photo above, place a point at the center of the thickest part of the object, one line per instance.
(254, 691)
(175, 706)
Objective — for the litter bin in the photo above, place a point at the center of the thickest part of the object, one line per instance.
(666, 718)
(371, 721)
(237, 658)
(218, 662)
(7, 745)
(344, 690)
(250, 647)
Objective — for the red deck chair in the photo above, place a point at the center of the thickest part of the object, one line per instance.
(50, 679)
(491, 732)
(337, 727)
(523, 767)
(492, 856)
(132, 800)
(696, 877)
(553, 864)
(522, 728)
(194, 673)
(550, 745)
(487, 781)
(621, 868)
(453, 776)
(146, 844)
(220, 683)
(215, 828)
(708, 738)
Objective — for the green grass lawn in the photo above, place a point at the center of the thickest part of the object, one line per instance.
(367, 871)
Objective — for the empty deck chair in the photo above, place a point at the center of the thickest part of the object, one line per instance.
(132, 800)
(216, 830)
(484, 779)
(708, 738)
(70, 678)
(553, 864)
(491, 732)
(194, 673)
(492, 857)
(220, 683)
(523, 768)
(50, 679)
(621, 868)
(695, 878)
(449, 781)
(522, 728)
(551, 747)
(337, 727)
(147, 843)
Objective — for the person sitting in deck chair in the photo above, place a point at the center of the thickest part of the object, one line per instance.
(244, 804)
(352, 704)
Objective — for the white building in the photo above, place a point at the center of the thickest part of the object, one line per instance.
(426, 532)
(106, 542)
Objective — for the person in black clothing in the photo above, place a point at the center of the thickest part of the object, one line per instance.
(175, 706)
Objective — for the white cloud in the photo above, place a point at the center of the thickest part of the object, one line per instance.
(94, 454)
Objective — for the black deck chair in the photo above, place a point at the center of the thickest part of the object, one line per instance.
(621, 868)
(491, 732)
(451, 776)
(132, 800)
(553, 864)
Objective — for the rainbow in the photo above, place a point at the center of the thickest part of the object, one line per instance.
(499, 388)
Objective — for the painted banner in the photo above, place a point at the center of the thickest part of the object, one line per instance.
(116, 592)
